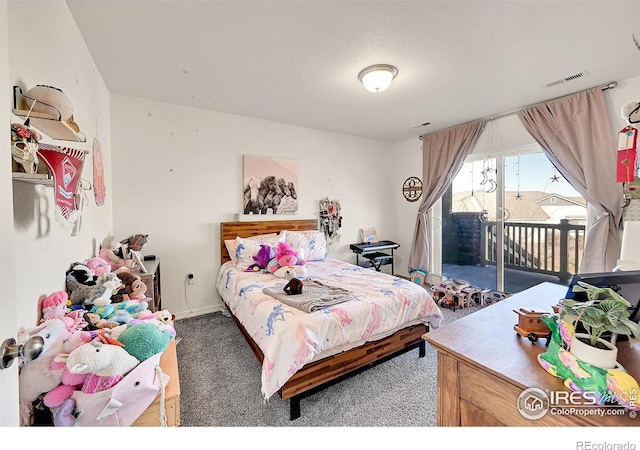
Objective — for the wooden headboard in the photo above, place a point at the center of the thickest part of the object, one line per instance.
(229, 230)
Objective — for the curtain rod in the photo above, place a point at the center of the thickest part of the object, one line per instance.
(604, 87)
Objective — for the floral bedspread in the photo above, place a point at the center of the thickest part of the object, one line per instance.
(290, 338)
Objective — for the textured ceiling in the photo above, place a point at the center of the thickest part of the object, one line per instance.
(297, 62)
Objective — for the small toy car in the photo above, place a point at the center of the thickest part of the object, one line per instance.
(531, 326)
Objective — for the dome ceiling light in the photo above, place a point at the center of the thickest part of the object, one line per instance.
(378, 77)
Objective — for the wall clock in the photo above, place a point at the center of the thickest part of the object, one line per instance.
(412, 189)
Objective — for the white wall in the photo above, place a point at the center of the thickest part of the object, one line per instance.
(177, 173)
(54, 53)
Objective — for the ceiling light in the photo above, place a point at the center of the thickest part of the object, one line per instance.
(378, 77)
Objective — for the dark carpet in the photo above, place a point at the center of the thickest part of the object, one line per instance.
(220, 385)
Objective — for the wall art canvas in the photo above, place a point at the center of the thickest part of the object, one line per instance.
(270, 185)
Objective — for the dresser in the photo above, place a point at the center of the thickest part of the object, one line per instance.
(484, 366)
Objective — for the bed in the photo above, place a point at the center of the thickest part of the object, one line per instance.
(302, 352)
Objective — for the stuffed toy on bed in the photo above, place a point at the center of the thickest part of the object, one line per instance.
(286, 256)
(265, 254)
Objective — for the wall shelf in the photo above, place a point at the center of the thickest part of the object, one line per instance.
(48, 122)
(33, 178)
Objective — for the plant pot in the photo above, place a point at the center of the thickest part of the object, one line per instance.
(600, 357)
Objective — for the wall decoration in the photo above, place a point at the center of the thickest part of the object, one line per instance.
(270, 186)
(24, 146)
(369, 235)
(99, 189)
(65, 164)
(330, 219)
(412, 189)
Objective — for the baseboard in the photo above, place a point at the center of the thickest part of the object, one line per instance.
(198, 312)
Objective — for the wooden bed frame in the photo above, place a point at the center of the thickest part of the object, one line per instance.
(320, 374)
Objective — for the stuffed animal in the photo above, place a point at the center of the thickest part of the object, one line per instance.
(69, 382)
(79, 281)
(289, 272)
(262, 258)
(133, 288)
(105, 360)
(99, 266)
(108, 250)
(54, 306)
(162, 320)
(109, 286)
(101, 292)
(122, 312)
(96, 322)
(36, 376)
(144, 340)
(285, 256)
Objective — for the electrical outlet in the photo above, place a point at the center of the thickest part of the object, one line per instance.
(190, 279)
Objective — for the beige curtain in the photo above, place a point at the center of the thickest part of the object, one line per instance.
(443, 154)
(575, 134)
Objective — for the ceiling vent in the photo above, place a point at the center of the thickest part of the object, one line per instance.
(567, 78)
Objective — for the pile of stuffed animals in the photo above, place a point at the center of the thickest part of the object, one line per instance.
(95, 333)
(282, 260)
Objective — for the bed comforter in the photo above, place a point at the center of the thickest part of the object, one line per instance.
(290, 338)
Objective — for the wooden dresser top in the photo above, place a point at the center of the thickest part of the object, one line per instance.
(487, 340)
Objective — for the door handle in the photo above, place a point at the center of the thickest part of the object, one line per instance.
(30, 350)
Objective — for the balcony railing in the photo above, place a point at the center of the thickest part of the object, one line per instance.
(553, 249)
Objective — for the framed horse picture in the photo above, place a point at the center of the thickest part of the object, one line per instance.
(270, 185)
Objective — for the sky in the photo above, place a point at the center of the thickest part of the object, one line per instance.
(531, 172)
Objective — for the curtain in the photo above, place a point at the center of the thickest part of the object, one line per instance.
(575, 133)
(443, 154)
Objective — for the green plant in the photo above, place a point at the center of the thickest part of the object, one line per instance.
(604, 310)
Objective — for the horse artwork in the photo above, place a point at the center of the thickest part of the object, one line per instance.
(269, 186)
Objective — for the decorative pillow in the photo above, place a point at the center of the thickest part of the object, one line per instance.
(231, 243)
(312, 243)
(247, 248)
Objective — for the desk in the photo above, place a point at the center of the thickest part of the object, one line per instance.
(484, 365)
(375, 253)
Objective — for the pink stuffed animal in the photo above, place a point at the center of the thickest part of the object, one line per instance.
(54, 306)
(36, 376)
(99, 265)
(69, 382)
(285, 256)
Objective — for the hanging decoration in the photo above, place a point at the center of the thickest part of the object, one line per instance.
(330, 219)
(555, 178)
(412, 189)
(518, 195)
(24, 146)
(65, 164)
(100, 191)
(487, 177)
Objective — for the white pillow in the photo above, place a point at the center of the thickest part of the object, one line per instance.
(247, 248)
(312, 243)
(231, 243)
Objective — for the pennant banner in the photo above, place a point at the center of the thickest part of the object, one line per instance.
(65, 164)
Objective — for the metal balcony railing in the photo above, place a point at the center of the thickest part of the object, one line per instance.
(553, 249)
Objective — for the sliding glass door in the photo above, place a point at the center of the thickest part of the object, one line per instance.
(511, 221)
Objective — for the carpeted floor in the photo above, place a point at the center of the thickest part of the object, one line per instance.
(220, 385)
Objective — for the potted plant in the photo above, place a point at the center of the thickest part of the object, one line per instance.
(603, 311)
